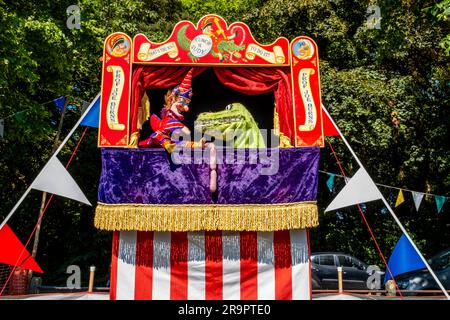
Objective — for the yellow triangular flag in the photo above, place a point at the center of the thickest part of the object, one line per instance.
(400, 198)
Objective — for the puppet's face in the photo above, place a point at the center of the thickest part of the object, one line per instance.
(180, 105)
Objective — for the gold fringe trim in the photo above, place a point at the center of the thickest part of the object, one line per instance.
(243, 217)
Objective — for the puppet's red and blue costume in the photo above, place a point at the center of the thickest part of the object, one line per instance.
(170, 123)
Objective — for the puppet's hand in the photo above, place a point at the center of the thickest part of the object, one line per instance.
(169, 146)
(212, 166)
(193, 144)
(202, 143)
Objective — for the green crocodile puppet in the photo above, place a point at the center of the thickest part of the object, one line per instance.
(230, 122)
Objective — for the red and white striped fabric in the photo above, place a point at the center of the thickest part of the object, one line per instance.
(211, 265)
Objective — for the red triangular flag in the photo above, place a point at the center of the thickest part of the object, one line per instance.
(328, 127)
(11, 248)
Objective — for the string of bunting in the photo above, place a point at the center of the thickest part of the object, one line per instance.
(417, 196)
(19, 115)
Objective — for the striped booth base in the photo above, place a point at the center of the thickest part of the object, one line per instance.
(211, 265)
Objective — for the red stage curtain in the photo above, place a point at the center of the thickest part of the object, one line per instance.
(251, 81)
(157, 77)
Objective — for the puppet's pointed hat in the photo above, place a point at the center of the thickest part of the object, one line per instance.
(185, 88)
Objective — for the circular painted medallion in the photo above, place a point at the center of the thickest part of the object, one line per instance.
(303, 49)
(118, 46)
(201, 45)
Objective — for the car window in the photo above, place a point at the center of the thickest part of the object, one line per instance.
(358, 264)
(345, 261)
(315, 259)
(327, 260)
(441, 261)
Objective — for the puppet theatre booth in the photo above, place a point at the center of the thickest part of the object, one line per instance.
(200, 218)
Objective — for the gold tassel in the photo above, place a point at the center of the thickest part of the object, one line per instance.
(134, 140)
(142, 116)
(242, 217)
(285, 141)
(143, 111)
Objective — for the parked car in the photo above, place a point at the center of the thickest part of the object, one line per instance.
(355, 273)
(422, 280)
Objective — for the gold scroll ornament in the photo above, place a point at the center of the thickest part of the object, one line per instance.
(308, 101)
(112, 108)
(147, 54)
(277, 56)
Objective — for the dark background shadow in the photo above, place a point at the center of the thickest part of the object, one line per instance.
(209, 95)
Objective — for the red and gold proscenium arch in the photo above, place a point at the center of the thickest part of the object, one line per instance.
(200, 45)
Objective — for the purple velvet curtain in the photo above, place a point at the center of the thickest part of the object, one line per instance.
(148, 176)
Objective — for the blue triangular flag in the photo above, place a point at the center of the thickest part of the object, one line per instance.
(440, 200)
(92, 118)
(60, 102)
(330, 181)
(403, 259)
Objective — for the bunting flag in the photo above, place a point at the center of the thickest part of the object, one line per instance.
(400, 198)
(60, 102)
(330, 181)
(210, 265)
(55, 179)
(440, 200)
(394, 201)
(403, 259)
(2, 127)
(329, 128)
(417, 197)
(92, 118)
(359, 189)
(12, 251)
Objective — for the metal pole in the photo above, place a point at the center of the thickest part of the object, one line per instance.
(390, 210)
(91, 279)
(340, 285)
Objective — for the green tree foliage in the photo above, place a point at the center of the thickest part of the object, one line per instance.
(388, 91)
(442, 11)
(387, 88)
(42, 59)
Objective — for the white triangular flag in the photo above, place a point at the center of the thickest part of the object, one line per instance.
(417, 196)
(359, 189)
(54, 178)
